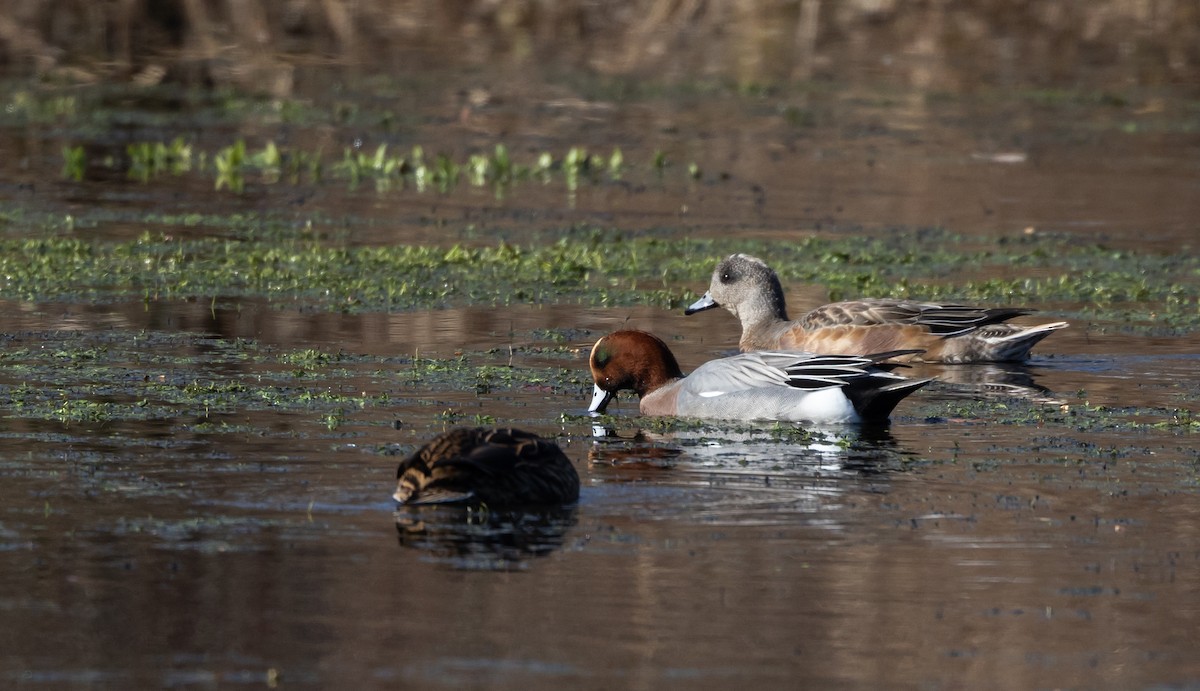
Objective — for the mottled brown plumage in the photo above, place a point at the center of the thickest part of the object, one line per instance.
(948, 333)
(497, 467)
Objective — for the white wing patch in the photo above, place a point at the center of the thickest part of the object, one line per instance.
(711, 394)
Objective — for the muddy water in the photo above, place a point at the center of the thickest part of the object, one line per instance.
(1016, 527)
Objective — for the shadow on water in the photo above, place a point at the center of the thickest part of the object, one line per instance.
(479, 539)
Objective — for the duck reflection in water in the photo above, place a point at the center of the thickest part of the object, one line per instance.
(990, 381)
(486, 498)
(768, 476)
(803, 450)
(479, 539)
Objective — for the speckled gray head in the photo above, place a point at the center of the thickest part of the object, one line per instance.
(744, 285)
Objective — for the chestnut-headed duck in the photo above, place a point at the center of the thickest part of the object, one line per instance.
(792, 387)
(947, 333)
(496, 467)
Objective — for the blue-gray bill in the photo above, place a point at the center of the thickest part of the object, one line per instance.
(600, 400)
(704, 303)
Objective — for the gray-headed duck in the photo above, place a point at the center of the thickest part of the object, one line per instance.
(946, 333)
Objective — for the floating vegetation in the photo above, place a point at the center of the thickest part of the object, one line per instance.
(593, 266)
(98, 378)
(1079, 416)
(232, 165)
(74, 163)
(149, 160)
(229, 163)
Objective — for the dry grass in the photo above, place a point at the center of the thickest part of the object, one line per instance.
(257, 43)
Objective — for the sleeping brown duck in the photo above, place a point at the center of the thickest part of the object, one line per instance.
(496, 467)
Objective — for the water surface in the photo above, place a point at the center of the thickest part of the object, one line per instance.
(197, 492)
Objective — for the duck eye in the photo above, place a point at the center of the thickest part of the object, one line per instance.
(727, 277)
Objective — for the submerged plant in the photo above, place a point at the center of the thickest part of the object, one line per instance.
(74, 162)
(268, 161)
(615, 163)
(148, 160)
(229, 162)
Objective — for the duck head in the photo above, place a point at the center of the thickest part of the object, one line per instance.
(629, 360)
(744, 285)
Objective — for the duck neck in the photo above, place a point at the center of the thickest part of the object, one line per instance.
(767, 308)
(655, 375)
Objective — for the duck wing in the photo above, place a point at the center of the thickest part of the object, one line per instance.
(871, 387)
(758, 370)
(939, 318)
(768, 369)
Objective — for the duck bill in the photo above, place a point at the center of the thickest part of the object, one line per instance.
(600, 399)
(704, 303)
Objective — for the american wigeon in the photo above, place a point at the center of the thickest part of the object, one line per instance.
(947, 333)
(497, 467)
(790, 387)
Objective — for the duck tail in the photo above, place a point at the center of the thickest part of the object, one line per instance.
(875, 403)
(892, 359)
(1016, 347)
(997, 343)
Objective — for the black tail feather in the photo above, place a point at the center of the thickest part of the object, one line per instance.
(875, 403)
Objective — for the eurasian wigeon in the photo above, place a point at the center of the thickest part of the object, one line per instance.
(497, 467)
(791, 387)
(946, 333)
